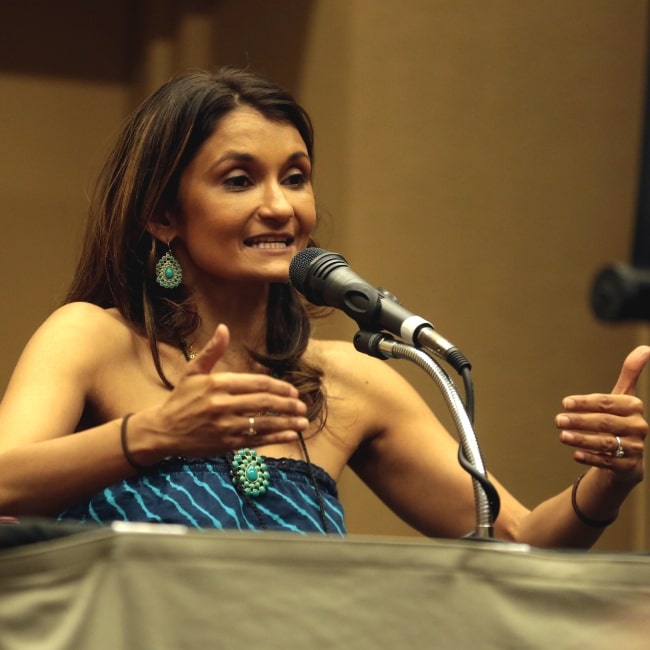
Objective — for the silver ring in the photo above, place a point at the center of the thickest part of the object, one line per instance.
(251, 427)
(619, 453)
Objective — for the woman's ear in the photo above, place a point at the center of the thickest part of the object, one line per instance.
(163, 228)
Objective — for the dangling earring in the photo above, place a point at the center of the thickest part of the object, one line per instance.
(169, 273)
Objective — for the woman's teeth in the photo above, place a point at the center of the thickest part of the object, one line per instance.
(269, 244)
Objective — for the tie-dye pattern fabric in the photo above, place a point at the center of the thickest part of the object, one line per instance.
(199, 493)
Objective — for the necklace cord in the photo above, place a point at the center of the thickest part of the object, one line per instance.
(319, 495)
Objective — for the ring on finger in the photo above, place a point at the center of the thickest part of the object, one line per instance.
(251, 427)
(619, 453)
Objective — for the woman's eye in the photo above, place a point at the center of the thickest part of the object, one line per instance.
(238, 182)
(297, 179)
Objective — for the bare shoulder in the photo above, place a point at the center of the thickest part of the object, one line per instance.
(62, 367)
(85, 315)
(342, 362)
(359, 382)
(84, 327)
(371, 392)
(76, 338)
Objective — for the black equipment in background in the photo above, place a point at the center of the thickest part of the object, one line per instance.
(621, 292)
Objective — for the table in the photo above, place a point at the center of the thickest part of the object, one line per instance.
(158, 587)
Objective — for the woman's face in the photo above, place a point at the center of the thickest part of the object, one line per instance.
(246, 204)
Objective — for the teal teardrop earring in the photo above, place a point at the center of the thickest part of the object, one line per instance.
(169, 273)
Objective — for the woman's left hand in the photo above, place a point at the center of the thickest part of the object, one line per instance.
(608, 431)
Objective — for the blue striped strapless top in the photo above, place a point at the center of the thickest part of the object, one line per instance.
(199, 493)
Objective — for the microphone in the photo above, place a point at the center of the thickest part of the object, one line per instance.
(326, 278)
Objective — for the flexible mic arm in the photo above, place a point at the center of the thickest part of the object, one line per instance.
(383, 346)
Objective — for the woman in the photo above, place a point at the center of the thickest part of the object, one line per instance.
(182, 352)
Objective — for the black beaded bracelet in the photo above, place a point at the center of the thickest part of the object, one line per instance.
(125, 447)
(585, 520)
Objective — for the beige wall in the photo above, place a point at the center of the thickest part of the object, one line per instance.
(476, 157)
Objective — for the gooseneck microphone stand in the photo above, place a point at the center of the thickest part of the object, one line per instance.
(384, 346)
(325, 278)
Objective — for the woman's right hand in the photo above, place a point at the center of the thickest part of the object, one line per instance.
(210, 413)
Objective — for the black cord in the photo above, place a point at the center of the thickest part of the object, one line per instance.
(469, 393)
(491, 493)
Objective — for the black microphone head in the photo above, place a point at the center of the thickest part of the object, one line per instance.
(300, 264)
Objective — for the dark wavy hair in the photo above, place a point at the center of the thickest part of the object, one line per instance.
(139, 183)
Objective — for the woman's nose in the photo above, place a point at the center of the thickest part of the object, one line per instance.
(275, 204)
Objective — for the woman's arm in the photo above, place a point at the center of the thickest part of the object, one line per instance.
(82, 355)
(42, 467)
(594, 426)
(410, 461)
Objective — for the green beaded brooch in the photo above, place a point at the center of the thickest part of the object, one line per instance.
(168, 272)
(249, 472)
